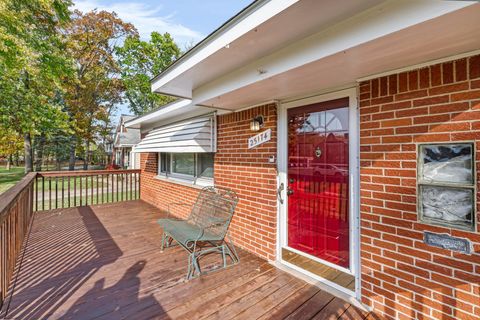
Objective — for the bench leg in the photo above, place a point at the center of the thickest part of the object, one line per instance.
(224, 257)
(193, 266)
(164, 241)
(189, 270)
(225, 248)
(232, 252)
(196, 265)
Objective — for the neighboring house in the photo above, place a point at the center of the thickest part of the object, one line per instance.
(349, 130)
(123, 142)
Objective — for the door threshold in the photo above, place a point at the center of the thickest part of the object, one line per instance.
(325, 285)
(289, 250)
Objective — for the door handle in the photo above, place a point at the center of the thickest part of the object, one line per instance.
(279, 192)
(289, 192)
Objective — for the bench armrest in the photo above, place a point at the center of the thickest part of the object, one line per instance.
(218, 223)
(175, 204)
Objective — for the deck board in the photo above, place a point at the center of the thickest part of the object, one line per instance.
(104, 262)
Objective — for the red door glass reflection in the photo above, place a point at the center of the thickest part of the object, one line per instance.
(318, 178)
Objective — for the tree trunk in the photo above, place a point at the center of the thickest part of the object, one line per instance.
(9, 162)
(58, 157)
(71, 161)
(27, 142)
(17, 159)
(85, 160)
(39, 153)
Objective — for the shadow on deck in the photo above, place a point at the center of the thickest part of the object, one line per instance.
(104, 262)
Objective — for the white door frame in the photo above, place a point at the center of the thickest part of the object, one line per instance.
(354, 163)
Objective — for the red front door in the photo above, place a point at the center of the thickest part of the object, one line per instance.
(318, 176)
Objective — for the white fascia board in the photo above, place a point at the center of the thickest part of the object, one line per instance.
(134, 123)
(379, 21)
(244, 25)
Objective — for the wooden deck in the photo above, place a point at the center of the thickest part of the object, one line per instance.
(104, 262)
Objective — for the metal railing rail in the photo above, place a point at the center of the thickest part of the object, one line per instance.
(65, 189)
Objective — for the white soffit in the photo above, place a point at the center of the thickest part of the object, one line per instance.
(262, 30)
(392, 35)
(193, 135)
(155, 114)
(254, 15)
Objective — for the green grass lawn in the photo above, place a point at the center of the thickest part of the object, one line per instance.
(86, 200)
(8, 178)
(84, 182)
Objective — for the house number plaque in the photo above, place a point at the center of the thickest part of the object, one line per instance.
(448, 242)
(260, 138)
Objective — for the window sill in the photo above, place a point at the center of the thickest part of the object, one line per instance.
(183, 182)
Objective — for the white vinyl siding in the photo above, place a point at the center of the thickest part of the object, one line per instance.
(196, 135)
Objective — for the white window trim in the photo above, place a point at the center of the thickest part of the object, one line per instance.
(183, 179)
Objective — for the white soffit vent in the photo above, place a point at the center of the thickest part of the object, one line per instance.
(192, 135)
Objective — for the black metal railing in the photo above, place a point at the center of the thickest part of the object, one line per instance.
(65, 189)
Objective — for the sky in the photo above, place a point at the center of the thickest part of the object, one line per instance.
(188, 21)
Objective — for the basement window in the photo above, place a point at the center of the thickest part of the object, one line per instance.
(446, 185)
(194, 168)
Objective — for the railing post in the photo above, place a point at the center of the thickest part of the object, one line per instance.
(98, 191)
(43, 193)
(81, 192)
(36, 193)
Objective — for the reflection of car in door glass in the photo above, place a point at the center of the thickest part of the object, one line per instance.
(330, 170)
(306, 167)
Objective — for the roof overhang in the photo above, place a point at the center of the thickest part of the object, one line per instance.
(177, 110)
(302, 47)
(248, 19)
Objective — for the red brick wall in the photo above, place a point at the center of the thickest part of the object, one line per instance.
(246, 171)
(161, 192)
(401, 276)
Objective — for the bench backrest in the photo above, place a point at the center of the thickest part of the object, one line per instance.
(214, 206)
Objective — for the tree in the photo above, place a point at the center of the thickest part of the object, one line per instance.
(10, 144)
(140, 61)
(33, 67)
(56, 148)
(93, 38)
